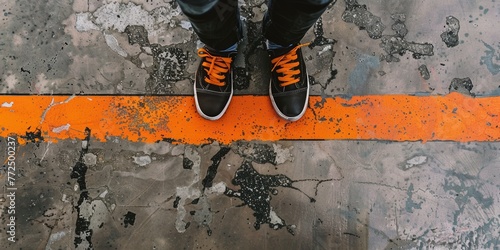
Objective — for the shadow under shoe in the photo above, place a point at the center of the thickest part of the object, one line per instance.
(213, 87)
(289, 84)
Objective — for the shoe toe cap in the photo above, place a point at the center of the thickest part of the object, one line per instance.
(292, 106)
(212, 106)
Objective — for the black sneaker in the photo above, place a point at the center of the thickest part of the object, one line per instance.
(213, 87)
(289, 87)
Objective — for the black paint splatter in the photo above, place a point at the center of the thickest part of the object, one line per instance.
(82, 230)
(137, 34)
(212, 170)
(351, 234)
(25, 71)
(399, 26)
(365, 20)
(129, 219)
(169, 140)
(256, 190)
(393, 45)
(462, 85)
(176, 201)
(34, 136)
(396, 44)
(424, 72)
(450, 36)
(187, 163)
(259, 153)
(319, 34)
(241, 78)
(169, 66)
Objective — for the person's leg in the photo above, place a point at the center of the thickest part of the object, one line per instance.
(285, 24)
(217, 24)
(287, 21)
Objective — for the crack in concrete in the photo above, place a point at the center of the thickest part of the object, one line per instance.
(52, 104)
(83, 233)
(46, 150)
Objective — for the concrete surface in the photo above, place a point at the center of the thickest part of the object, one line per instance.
(249, 195)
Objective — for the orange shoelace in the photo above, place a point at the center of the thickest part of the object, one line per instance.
(285, 65)
(215, 66)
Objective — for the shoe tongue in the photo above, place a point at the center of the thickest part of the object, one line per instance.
(221, 54)
(280, 51)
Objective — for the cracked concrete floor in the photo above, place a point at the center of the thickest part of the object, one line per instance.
(82, 193)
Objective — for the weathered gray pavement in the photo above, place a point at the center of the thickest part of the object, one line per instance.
(250, 195)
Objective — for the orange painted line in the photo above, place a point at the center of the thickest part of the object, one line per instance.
(149, 119)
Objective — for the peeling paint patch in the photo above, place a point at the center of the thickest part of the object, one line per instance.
(169, 65)
(399, 25)
(282, 154)
(83, 22)
(450, 36)
(465, 188)
(410, 204)
(103, 194)
(113, 44)
(184, 193)
(90, 160)
(83, 232)
(142, 160)
(424, 72)
(491, 59)
(396, 44)
(462, 85)
(186, 25)
(61, 128)
(415, 161)
(365, 20)
(275, 220)
(190, 191)
(218, 188)
(7, 104)
(118, 16)
(55, 237)
(137, 35)
(260, 153)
